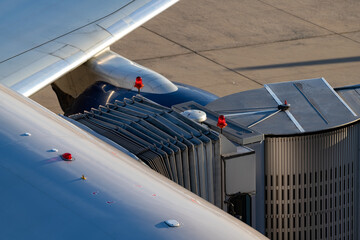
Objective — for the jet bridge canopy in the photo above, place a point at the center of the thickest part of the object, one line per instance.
(313, 105)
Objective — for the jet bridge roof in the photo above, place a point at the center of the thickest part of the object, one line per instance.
(234, 131)
(313, 105)
(351, 95)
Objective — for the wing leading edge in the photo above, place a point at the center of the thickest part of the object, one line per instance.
(57, 36)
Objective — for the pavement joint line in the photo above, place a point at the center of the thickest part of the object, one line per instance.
(303, 19)
(230, 69)
(240, 46)
(266, 43)
(356, 31)
(207, 58)
(161, 57)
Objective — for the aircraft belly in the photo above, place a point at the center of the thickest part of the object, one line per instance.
(101, 193)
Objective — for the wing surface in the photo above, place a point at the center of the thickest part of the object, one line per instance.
(42, 40)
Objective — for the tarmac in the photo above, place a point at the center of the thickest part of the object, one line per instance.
(230, 46)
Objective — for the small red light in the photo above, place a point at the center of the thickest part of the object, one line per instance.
(138, 83)
(221, 122)
(285, 102)
(66, 156)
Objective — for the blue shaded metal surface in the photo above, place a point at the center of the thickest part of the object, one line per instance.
(101, 93)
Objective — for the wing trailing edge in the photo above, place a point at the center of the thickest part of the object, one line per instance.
(32, 69)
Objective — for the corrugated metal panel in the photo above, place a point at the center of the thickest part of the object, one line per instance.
(150, 156)
(186, 152)
(312, 184)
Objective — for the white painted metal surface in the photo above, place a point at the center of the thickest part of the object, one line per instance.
(102, 194)
(42, 40)
(172, 223)
(195, 115)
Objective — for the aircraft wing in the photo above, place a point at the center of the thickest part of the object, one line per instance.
(44, 39)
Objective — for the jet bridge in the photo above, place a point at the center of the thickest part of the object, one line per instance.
(308, 165)
(190, 154)
(287, 163)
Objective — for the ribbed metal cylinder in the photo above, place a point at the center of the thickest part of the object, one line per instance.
(311, 185)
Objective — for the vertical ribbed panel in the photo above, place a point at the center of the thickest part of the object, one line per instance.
(311, 185)
(171, 144)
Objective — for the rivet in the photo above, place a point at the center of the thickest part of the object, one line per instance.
(172, 223)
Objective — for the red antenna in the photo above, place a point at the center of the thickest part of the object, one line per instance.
(221, 122)
(138, 83)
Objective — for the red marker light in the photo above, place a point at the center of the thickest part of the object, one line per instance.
(221, 122)
(138, 83)
(67, 156)
(284, 107)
